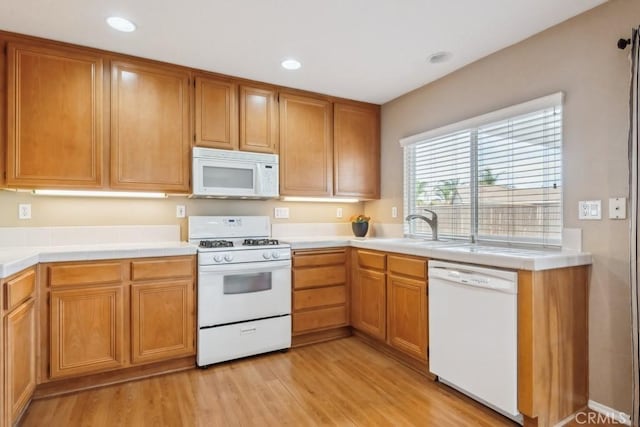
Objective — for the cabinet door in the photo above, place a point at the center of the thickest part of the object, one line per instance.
(55, 111)
(258, 120)
(86, 330)
(407, 315)
(150, 147)
(216, 113)
(356, 151)
(20, 358)
(369, 295)
(162, 317)
(305, 146)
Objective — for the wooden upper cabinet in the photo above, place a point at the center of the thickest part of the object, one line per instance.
(55, 110)
(356, 150)
(305, 146)
(216, 111)
(150, 144)
(258, 119)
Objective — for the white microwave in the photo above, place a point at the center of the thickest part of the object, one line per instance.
(234, 174)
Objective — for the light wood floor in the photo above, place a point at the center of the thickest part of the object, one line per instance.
(342, 383)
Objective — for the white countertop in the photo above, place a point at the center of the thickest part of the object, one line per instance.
(13, 260)
(504, 257)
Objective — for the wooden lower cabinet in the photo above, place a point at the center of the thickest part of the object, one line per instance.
(109, 315)
(20, 363)
(18, 345)
(371, 294)
(553, 347)
(87, 331)
(162, 322)
(389, 300)
(407, 315)
(319, 299)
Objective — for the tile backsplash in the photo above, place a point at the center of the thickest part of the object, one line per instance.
(83, 235)
(311, 229)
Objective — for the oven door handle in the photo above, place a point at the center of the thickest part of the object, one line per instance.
(244, 268)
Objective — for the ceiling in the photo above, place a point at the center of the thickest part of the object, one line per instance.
(369, 50)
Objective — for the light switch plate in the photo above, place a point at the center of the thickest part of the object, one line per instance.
(618, 208)
(590, 209)
(181, 211)
(338, 212)
(281, 213)
(394, 212)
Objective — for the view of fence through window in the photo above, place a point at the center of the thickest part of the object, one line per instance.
(501, 181)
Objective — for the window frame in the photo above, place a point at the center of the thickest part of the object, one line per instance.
(472, 126)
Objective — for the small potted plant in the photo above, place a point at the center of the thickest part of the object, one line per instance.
(360, 225)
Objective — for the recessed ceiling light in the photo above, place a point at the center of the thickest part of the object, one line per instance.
(439, 57)
(121, 24)
(291, 64)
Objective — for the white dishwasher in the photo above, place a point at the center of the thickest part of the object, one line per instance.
(473, 332)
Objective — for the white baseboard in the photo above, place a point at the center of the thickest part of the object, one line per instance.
(618, 416)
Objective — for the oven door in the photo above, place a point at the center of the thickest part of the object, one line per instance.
(239, 292)
(213, 177)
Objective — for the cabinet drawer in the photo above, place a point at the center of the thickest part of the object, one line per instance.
(319, 276)
(161, 268)
(319, 319)
(311, 298)
(84, 274)
(319, 258)
(371, 260)
(19, 289)
(408, 266)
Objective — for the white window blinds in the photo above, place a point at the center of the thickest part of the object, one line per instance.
(496, 177)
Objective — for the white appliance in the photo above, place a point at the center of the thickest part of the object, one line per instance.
(244, 288)
(473, 333)
(234, 174)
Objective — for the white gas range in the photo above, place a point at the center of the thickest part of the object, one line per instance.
(244, 288)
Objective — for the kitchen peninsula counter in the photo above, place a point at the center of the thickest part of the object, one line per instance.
(494, 256)
(15, 259)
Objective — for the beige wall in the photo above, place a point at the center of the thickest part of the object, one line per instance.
(57, 211)
(580, 58)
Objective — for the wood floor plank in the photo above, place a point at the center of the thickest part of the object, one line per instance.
(339, 383)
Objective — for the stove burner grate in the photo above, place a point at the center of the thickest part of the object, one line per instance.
(215, 244)
(260, 242)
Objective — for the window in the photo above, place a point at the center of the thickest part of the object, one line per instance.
(497, 177)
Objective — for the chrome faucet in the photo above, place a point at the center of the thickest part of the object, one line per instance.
(433, 221)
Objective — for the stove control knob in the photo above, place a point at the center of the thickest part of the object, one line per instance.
(275, 255)
(266, 255)
(217, 258)
(228, 257)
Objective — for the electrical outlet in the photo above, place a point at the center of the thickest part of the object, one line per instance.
(181, 211)
(339, 213)
(24, 211)
(281, 213)
(394, 212)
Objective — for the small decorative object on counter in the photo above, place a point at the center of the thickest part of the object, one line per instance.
(360, 225)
